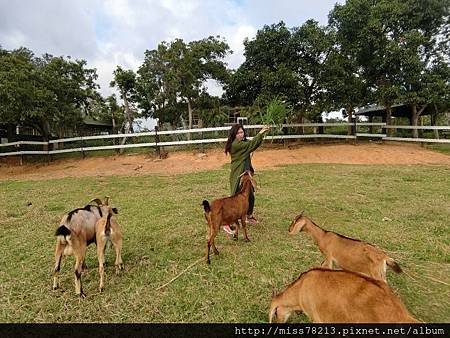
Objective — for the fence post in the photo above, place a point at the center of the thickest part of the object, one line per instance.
(384, 130)
(47, 146)
(200, 126)
(82, 146)
(354, 128)
(19, 146)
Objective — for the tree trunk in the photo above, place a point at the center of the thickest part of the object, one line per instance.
(130, 121)
(350, 130)
(388, 120)
(302, 129)
(433, 121)
(371, 127)
(190, 118)
(114, 129)
(46, 134)
(11, 133)
(414, 120)
(321, 128)
(113, 120)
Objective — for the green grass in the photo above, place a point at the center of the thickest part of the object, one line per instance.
(442, 148)
(165, 232)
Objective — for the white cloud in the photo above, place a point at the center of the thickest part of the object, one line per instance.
(237, 35)
(55, 27)
(117, 32)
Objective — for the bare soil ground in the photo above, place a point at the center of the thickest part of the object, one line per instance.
(266, 157)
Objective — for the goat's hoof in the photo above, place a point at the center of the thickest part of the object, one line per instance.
(55, 287)
(101, 289)
(82, 295)
(119, 268)
(208, 262)
(247, 239)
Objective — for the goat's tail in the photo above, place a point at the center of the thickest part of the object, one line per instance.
(108, 225)
(63, 233)
(272, 311)
(206, 206)
(393, 265)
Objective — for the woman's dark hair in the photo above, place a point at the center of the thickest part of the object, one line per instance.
(232, 135)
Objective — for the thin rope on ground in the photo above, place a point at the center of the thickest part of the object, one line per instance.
(181, 273)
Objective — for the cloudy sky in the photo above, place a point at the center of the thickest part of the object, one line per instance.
(107, 33)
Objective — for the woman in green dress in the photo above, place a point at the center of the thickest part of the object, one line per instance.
(240, 149)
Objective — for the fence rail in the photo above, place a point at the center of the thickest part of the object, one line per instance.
(204, 138)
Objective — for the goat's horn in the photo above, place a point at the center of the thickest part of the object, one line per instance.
(301, 214)
(242, 174)
(96, 200)
(106, 200)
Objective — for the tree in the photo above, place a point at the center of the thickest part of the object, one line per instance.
(345, 87)
(19, 91)
(212, 110)
(125, 81)
(362, 33)
(114, 111)
(395, 47)
(284, 63)
(48, 93)
(425, 71)
(312, 45)
(343, 80)
(71, 88)
(175, 73)
(267, 71)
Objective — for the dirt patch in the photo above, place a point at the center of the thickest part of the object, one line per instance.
(268, 156)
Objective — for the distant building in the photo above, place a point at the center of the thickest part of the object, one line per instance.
(397, 110)
(235, 116)
(10, 132)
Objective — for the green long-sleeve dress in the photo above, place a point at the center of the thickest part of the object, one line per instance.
(240, 151)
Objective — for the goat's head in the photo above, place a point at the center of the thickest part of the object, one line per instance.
(247, 176)
(297, 224)
(279, 309)
(104, 206)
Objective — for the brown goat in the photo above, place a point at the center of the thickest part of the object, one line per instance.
(339, 296)
(78, 229)
(228, 211)
(344, 252)
(107, 230)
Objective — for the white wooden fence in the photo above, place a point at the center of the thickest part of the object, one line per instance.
(204, 139)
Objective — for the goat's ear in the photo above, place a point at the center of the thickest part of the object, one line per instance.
(301, 214)
(254, 184)
(274, 292)
(106, 200)
(96, 200)
(115, 211)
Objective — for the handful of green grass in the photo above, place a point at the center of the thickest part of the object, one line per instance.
(276, 114)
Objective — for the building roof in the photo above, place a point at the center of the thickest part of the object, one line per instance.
(91, 122)
(398, 110)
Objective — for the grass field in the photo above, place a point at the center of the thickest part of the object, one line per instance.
(443, 148)
(403, 209)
